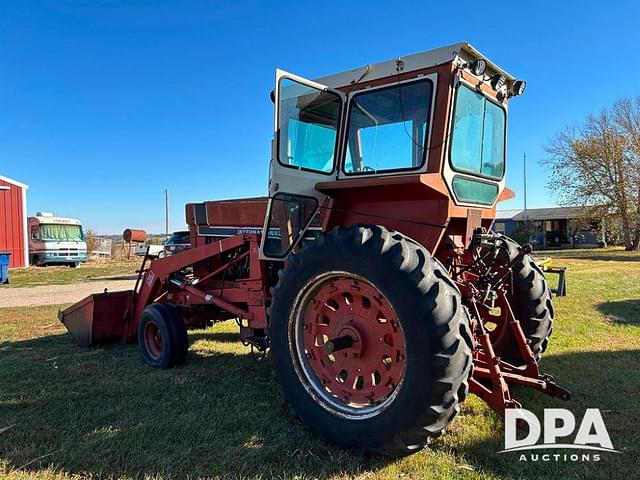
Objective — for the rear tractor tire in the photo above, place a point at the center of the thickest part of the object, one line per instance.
(162, 336)
(370, 342)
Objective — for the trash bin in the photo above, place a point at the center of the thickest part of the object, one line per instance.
(4, 267)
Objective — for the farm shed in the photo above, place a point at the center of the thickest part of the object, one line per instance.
(13, 221)
(556, 227)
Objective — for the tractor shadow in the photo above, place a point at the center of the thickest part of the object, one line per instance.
(102, 412)
(622, 312)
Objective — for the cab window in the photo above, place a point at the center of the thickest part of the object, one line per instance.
(308, 121)
(478, 138)
(388, 128)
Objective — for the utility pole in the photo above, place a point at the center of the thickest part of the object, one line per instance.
(166, 213)
(524, 163)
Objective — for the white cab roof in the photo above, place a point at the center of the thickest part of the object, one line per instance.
(417, 61)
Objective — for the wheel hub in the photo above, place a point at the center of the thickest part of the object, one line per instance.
(347, 339)
(153, 340)
(352, 344)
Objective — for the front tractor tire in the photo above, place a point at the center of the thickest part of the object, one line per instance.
(370, 340)
(532, 304)
(162, 336)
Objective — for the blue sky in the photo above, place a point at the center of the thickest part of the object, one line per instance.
(104, 104)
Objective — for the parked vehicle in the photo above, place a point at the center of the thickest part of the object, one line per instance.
(142, 249)
(369, 270)
(177, 242)
(56, 240)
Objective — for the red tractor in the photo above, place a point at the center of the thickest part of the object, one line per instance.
(370, 270)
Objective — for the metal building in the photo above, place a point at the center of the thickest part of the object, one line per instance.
(556, 227)
(13, 221)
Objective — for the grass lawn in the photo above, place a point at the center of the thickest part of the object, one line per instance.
(54, 275)
(67, 412)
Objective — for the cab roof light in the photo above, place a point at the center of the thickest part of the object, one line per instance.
(498, 81)
(478, 67)
(517, 88)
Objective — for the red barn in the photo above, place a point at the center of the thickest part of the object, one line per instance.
(13, 221)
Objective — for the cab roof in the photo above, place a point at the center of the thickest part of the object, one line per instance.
(416, 61)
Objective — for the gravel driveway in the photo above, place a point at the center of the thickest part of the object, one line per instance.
(55, 294)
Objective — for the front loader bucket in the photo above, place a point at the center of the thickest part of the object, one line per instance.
(98, 318)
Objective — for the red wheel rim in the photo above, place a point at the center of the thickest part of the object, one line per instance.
(153, 340)
(351, 345)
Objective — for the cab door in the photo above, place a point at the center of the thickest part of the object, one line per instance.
(304, 152)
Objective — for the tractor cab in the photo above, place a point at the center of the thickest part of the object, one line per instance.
(417, 143)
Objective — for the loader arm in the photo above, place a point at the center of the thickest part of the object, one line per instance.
(157, 283)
